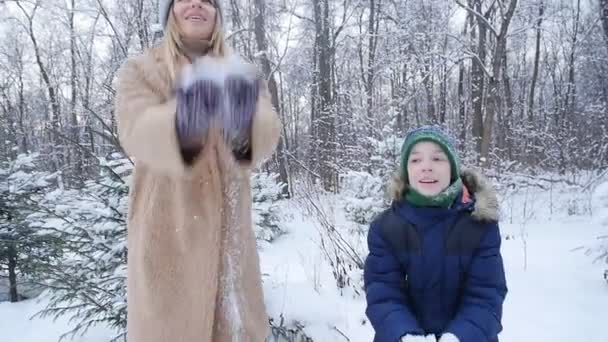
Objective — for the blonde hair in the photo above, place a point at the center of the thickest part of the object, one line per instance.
(172, 43)
(397, 186)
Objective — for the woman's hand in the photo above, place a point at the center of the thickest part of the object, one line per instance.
(196, 105)
(448, 337)
(240, 106)
(418, 338)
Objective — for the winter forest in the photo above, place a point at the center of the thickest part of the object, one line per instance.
(522, 85)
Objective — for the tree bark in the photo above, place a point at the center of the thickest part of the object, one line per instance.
(604, 18)
(427, 81)
(496, 80)
(369, 75)
(443, 90)
(462, 104)
(541, 10)
(478, 80)
(508, 119)
(51, 92)
(570, 98)
(74, 131)
(260, 36)
(324, 116)
(12, 274)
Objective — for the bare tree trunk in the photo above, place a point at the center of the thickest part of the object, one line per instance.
(570, 98)
(325, 117)
(443, 90)
(462, 108)
(313, 156)
(403, 94)
(21, 131)
(23, 141)
(76, 152)
(260, 36)
(557, 93)
(398, 96)
(541, 10)
(11, 134)
(524, 91)
(142, 24)
(15, 112)
(12, 274)
(462, 101)
(394, 82)
(427, 81)
(123, 46)
(507, 133)
(417, 112)
(237, 24)
(88, 77)
(478, 79)
(566, 111)
(369, 75)
(604, 18)
(55, 111)
(495, 80)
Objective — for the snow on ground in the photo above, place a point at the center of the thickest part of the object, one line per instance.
(556, 293)
(16, 326)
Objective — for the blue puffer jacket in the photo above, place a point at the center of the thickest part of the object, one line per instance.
(436, 270)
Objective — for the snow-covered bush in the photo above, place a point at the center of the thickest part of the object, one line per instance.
(89, 285)
(599, 204)
(363, 196)
(25, 252)
(282, 332)
(266, 191)
(340, 247)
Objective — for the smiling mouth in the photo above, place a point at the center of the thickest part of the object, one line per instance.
(195, 18)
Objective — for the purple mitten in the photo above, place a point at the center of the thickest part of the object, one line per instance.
(239, 108)
(196, 105)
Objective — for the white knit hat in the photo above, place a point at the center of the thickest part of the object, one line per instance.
(164, 6)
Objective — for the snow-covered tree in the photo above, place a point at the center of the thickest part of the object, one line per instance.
(90, 284)
(25, 252)
(363, 196)
(266, 191)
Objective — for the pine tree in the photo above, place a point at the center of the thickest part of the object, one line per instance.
(90, 284)
(266, 191)
(25, 252)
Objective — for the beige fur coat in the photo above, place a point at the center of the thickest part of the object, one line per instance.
(193, 267)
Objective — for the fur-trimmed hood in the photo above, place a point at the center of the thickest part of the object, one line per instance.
(486, 199)
(478, 186)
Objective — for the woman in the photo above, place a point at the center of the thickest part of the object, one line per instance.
(194, 119)
(434, 270)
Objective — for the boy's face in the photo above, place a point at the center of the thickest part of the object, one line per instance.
(428, 168)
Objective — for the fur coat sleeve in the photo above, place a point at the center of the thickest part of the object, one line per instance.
(146, 122)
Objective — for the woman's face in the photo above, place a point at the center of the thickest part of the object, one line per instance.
(195, 18)
(428, 168)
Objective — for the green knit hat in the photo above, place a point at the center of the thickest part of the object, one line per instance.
(436, 135)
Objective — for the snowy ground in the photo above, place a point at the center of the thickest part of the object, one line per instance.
(560, 295)
(556, 293)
